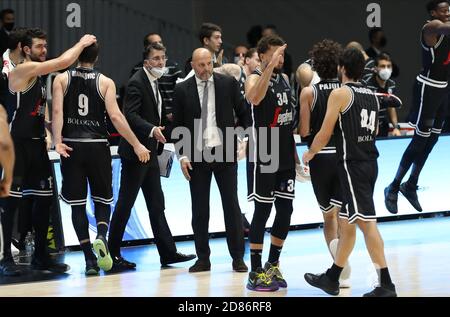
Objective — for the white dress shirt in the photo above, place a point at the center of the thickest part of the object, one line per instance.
(156, 92)
(212, 138)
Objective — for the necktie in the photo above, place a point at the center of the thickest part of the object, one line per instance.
(204, 111)
(157, 97)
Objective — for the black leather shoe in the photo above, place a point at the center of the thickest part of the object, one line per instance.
(239, 266)
(120, 264)
(9, 268)
(200, 266)
(48, 264)
(177, 258)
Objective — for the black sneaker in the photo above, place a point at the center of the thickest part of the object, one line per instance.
(259, 281)
(390, 199)
(48, 264)
(274, 273)
(382, 291)
(92, 267)
(8, 267)
(410, 193)
(323, 282)
(104, 259)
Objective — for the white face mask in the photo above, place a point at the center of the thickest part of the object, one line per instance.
(158, 72)
(385, 73)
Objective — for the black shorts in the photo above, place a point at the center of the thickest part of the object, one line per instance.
(429, 109)
(88, 162)
(266, 187)
(325, 181)
(358, 183)
(32, 169)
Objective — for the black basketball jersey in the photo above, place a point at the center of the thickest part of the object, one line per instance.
(275, 111)
(27, 114)
(84, 106)
(435, 60)
(356, 129)
(321, 92)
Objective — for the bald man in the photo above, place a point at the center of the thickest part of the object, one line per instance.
(204, 106)
(369, 67)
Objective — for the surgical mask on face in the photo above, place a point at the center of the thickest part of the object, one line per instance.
(158, 72)
(385, 73)
(237, 59)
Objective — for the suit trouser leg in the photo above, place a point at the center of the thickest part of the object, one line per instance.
(132, 175)
(154, 198)
(200, 186)
(226, 178)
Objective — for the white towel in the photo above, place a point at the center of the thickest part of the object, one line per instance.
(8, 65)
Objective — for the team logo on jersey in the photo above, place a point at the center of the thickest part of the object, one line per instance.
(39, 109)
(447, 61)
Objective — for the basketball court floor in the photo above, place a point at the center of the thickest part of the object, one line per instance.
(418, 254)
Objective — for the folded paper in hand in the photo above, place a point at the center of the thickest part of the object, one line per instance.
(165, 161)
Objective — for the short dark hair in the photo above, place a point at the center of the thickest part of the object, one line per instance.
(353, 61)
(372, 33)
(16, 36)
(152, 47)
(89, 54)
(325, 57)
(250, 53)
(146, 41)
(31, 34)
(433, 4)
(207, 29)
(267, 41)
(5, 12)
(382, 57)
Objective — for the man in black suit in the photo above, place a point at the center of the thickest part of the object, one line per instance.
(209, 100)
(7, 19)
(145, 114)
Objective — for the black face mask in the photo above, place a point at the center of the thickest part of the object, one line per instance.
(8, 26)
(383, 42)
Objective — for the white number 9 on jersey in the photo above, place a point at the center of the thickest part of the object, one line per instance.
(367, 121)
(83, 105)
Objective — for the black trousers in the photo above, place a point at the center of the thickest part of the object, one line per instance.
(134, 176)
(200, 185)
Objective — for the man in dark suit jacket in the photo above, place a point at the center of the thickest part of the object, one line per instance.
(212, 100)
(145, 115)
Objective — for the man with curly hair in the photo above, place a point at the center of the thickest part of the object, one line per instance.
(323, 168)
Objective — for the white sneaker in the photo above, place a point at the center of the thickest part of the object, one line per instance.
(344, 279)
(302, 173)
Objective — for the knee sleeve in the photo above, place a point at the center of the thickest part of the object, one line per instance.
(282, 220)
(258, 225)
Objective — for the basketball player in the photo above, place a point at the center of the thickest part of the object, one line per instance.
(429, 105)
(268, 91)
(323, 168)
(81, 96)
(6, 163)
(32, 171)
(356, 108)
